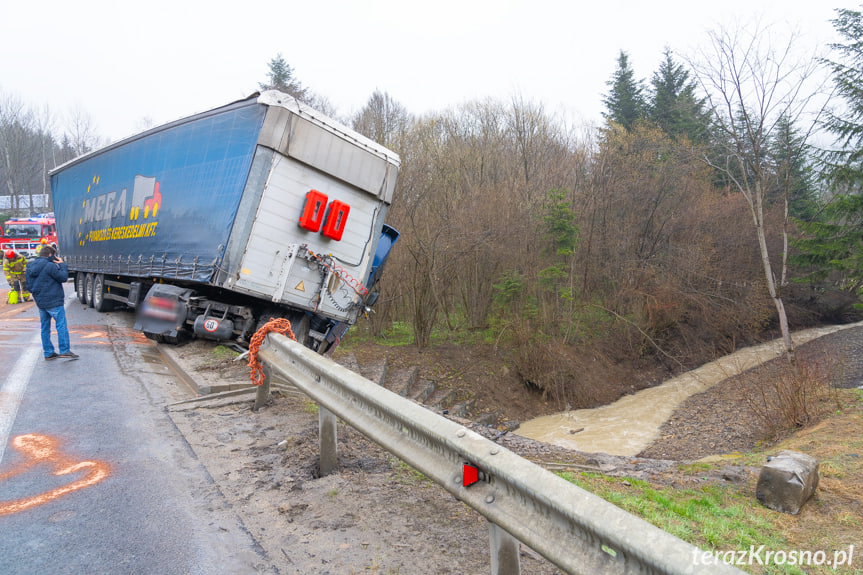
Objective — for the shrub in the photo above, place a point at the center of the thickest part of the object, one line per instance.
(789, 395)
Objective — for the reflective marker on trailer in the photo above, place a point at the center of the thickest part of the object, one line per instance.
(313, 211)
(337, 217)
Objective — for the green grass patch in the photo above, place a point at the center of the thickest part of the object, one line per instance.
(401, 333)
(463, 336)
(310, 406)
(221, 352)
(694, 468)
(714, 517)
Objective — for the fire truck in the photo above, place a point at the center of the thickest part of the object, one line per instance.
(25, 235)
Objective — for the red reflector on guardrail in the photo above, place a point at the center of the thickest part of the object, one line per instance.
(470, 475)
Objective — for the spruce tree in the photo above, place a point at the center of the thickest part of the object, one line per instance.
(834, 241)
(281, 78)
(674, 106)
(845, 162)
(625, 100)
(793, 171)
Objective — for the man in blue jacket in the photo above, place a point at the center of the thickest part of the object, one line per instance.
(45, 278)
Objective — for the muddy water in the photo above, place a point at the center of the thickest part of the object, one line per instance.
(632, 423)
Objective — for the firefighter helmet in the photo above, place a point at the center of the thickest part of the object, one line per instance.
(10, 255)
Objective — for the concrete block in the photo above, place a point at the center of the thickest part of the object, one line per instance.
(787, 481)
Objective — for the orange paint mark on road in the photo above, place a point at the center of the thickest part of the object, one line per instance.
(94, 334)
(137, 337)
(41, 449)
(86, 328)
(91, 334)
(96, 337)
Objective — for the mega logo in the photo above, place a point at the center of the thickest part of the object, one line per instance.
(139, 211)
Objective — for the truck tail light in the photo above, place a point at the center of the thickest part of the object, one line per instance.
(337, 217)
(313, 211)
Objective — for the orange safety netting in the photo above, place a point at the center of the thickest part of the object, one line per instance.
(279, 325)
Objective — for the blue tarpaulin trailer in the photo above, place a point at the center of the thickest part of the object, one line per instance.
(212, 224)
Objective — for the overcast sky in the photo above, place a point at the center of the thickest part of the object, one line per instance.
(122, 62)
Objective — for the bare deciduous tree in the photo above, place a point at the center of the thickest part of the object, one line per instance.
(753, 84)
(45, 126)
(383, 120)
(81, 131)
(19, 148)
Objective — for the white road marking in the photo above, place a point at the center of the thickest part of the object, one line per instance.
(14, 387)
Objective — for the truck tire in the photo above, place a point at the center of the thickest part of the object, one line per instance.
(300, 325)
(80, 280)
(88, 290)
(100, 304)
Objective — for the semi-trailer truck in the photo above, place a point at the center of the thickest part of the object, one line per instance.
(213, 224)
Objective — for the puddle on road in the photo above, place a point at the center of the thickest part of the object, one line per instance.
(632, 423)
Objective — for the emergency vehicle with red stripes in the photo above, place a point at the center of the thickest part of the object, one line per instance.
(25, 236)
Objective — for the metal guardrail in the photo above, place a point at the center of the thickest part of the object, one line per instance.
(574, 529)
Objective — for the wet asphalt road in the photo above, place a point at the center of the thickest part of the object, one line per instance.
(94, 477)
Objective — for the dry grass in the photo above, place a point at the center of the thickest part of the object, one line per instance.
(833, 519)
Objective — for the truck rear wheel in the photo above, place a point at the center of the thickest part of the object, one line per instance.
(88, 290)
(80, 280)
(100, 304)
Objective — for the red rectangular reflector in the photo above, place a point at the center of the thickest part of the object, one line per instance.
(337, 217)
(313, 211)
(470, 475)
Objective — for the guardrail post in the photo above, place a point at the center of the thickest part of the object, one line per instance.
(263, 392)
(327, 439)
(505, 559)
